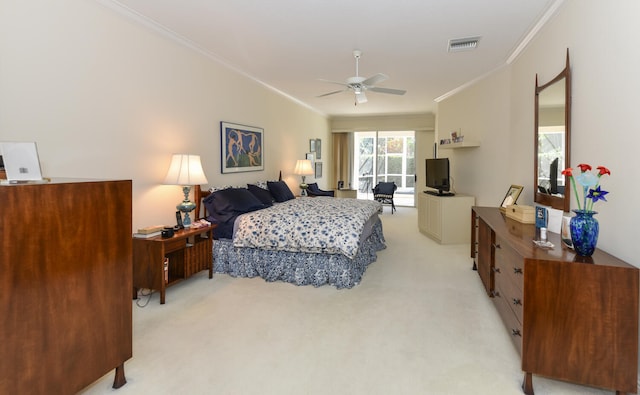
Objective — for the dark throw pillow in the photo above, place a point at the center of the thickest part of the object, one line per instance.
(226, 204)
(262, 194)
(280, 191)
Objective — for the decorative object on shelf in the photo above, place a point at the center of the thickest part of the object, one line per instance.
(511, 197)
(242, 148)
(584, 227)
(303, 169)
(457, 137)
(185, 170)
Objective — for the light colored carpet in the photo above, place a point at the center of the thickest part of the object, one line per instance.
(419, 323)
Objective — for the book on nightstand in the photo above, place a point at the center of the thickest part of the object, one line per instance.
(150, 229)
(147, 235)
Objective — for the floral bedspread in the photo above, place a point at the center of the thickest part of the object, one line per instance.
(313, 225)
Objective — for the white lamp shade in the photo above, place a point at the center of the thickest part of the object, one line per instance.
(185, 170)
(303, 168)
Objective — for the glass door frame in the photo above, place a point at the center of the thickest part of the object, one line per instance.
(368, 172)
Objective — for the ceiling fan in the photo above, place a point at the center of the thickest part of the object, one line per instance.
(359, 84)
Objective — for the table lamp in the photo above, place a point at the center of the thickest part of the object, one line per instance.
(303, 168)
(185, 170)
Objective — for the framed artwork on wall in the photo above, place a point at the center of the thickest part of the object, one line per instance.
(315, 146)
(318, 170)
(242, 148)
(310, 156)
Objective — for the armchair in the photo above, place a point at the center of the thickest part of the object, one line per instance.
(383, 193)
(313, 190)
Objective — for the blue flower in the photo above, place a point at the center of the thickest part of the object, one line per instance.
(597, 194)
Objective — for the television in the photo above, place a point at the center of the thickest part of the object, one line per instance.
(437, 176)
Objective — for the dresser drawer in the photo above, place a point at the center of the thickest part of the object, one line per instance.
(509, 318)
(509, 263)
(511, 295)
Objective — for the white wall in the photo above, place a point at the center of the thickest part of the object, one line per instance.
(605, 127)
(106, 97)
(480, 113)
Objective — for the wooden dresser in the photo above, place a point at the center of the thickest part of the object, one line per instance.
(571, 318)
(65, 287)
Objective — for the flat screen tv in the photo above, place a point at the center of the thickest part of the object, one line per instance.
(437, 174)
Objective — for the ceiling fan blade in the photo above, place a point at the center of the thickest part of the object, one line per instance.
(334, 82)
(388, 90)
(332, 93)
(375, 79)
(361, 98)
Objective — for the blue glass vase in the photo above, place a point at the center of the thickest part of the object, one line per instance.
(584, 232)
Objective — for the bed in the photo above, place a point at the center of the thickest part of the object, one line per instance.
(303, 241)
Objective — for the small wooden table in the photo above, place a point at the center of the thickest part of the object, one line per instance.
(346, 193)
(159, 263)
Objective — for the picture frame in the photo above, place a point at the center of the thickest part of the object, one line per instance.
(511, 197)
(312, 145)
(179, 224)
(318, 168)
(310, 156)
(242, 148)
(318, 149)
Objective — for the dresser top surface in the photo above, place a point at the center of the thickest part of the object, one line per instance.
(520, 237)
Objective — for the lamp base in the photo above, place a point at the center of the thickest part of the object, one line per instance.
(303, 189)
(186, 206)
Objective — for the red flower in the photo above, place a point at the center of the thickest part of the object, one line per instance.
(584, 167)
(567, 172)
(603, 170)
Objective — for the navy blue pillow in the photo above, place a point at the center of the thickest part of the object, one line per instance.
(280, 191)
(262, 194)
(226, 204)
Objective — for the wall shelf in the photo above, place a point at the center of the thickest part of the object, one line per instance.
(463, 144)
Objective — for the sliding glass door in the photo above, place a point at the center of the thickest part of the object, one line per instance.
(385, 156)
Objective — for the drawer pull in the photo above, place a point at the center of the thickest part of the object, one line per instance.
(495, 294)
(496, 269)
(496, 246)
(517, 302)
(517, 270)
(515, 332)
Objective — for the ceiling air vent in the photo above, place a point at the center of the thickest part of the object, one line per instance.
(463, 44)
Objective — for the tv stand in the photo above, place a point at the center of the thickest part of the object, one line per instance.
(445, 218)
(439, 193)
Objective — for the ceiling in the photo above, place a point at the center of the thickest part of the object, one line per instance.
(289, 45)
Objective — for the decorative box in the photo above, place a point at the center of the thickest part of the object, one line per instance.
(524, 214)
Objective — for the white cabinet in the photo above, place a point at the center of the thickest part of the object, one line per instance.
(446, 219)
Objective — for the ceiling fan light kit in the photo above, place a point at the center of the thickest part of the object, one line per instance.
(358, 85)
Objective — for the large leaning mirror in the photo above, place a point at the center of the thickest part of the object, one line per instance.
(552, 140)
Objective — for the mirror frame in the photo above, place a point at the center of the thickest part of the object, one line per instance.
(560, 203)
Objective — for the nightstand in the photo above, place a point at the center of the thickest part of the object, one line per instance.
(346, 193)
(159, 263)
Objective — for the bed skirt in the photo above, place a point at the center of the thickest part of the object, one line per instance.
(299, 268)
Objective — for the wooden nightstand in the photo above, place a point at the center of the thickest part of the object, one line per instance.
(188, 252)
(346, 193)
